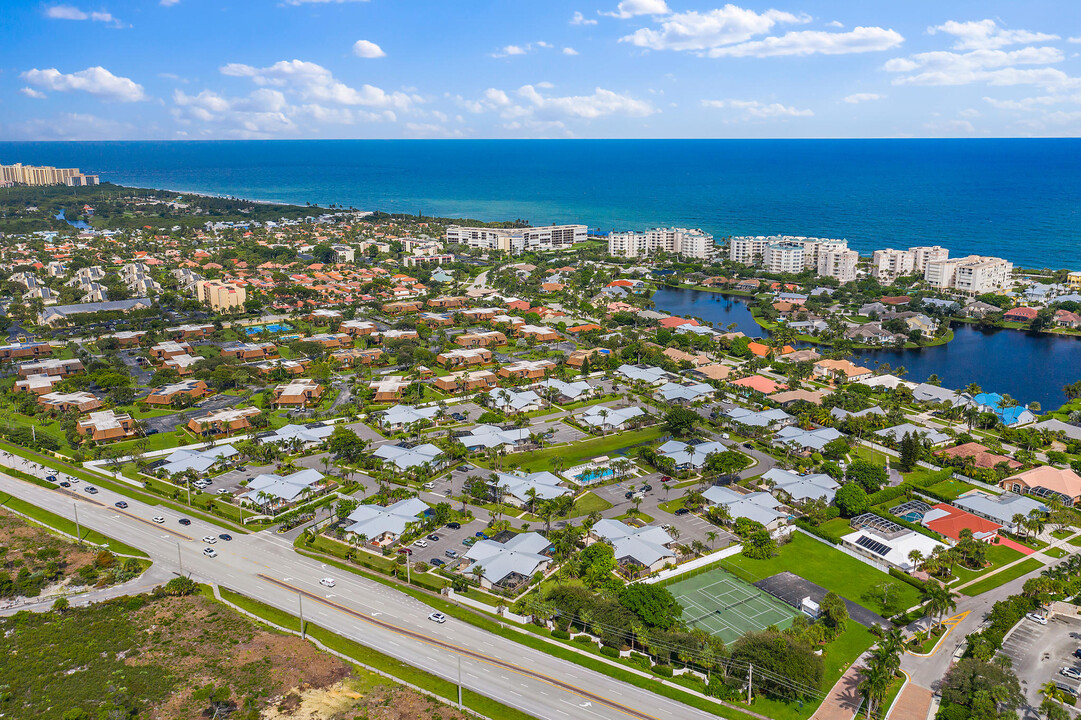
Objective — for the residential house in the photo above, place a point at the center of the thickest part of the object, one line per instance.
(481, 338)
(50, 366)
(769, 418)
(1000, 509)
(509, 400)
(297, 393)
(800, 488)
(223, 422)
(389, 387)
(280, 490)
(508, 566)
(78, 402)
(841, 371)
(527, 369)
(566, 392)
(106, 425)
(404, 458)
(648, 548)
(249, 351)
(1046, 481)
(607, 419)
(684, 393)
(927, 435)
(166, 394)
(464, 356)
(760, 507)
(806, 441)
(687, 456)
(466, 381)
(520, 488)
(888, 543)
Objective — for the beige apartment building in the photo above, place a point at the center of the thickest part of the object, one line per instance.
(19, 174)
(972, 275)
(220, 296)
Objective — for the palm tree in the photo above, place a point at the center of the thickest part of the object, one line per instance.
(915, 557)
(940, 600)
(876, 680)
(712, 537)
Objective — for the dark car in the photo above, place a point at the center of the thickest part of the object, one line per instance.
(629, 494)
(748, 445)
(433, 537)
(437, 562)
(454, 525)
(647, 488)
(50, 478)
(481, 535)
(122, 505)
(682, 511)
(1077, 652)
(460, 418)
(184, 521)
(65, 484)
(225, 536)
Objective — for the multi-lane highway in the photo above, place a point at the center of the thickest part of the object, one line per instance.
(264, 566)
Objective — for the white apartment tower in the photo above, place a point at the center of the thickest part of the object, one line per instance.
(839, 264)
(517, 240)
(890, 264)
(785, 253)
(971, 275)
(680, 241)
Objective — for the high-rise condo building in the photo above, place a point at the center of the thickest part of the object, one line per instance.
(518, 240)
(680, 241)
(19, 174)
(972, 275)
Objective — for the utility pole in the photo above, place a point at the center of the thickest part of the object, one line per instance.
(408, 579)
(300, 601)
(179, 558)
(78, 531)
(459, 681)
(750, 679)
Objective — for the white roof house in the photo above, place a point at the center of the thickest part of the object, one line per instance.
(887, 542)
(897, 432)
(644, 373)
(841, 413)
(802, 487)
(510, 400)
(306, 435)
(402, 415)
(284, 489)
(404, 457)
(504, 563)
(813, 440)
(685, 455)
(758, 506)
(544, 483)
(198, 460)
(572, 391)
(646, 546)
(999, 508)
(488, 436)
(689, 393)
(762, 418)
(606, 418)
(382, 524)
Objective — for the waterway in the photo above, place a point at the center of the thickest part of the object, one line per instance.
(1027, 366)
(80, 224)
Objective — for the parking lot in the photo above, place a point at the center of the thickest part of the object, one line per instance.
(449, 539)
(1039, 652)
(231, 480)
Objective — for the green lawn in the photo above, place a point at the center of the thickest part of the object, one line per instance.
(587, 503)
(952, 488)
(64, 525)
(673, 505)
(1012, 573)
(1055, 552)
(997, 555)
(583, 450)
(833, 570)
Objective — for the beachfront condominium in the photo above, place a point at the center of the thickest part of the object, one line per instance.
(680, 241)
(220, 296)
(783, 253)
(19, 174)
(971, 275)
(518, 240)
(839, 263)
(889, 264)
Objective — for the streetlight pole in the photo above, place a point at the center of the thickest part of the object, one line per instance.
(459, 681)
(78, 531)
(179, 558)
(300, 601)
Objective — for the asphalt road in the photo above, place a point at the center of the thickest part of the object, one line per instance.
(264, 566)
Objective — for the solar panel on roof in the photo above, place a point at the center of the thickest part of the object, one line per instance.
(873, 545)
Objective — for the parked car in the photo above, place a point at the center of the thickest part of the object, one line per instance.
(1077, 653)
(223, 491)
(682, 511)
(210, 552)
(437, 617)
(210, 539)
(454, 525)
(225, 536)
(184, 521)
(1068, 689)
(437, 562)
(405, 551)
(433, 537)
(629, 494)
(158, 519)
(665, 478)
(647, 487)
(421, 543)
(469, 542)
(1038, 619)
(327, 582)
(428, 486)
(480, 534)
(726, 436)
(121, 504)
(451, 553)
(1070, 672)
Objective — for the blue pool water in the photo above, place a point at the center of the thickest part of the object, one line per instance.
(272, 327)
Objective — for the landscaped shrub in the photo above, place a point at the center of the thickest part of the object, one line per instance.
(609, 651)
(640, 660)
(663, 670)
(905, 577)
(584, 639)
(804, 524)
(561, 634)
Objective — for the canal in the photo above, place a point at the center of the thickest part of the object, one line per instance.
(1027, 366)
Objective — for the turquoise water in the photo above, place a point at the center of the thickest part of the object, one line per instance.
(1019, 199)
(272, 327)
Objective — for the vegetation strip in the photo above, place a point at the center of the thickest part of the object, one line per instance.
(67, 527)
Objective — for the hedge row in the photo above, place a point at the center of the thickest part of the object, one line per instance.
(905, 577)
(804, 524)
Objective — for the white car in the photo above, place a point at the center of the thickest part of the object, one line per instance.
(223, 491)
(437, 617)
(1070, 672)
(210, 552)
(327, 582)
(210, 539)
(1038, 619)
(159, 519)
(422, 543)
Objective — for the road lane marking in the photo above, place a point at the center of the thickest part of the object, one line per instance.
(495, 662)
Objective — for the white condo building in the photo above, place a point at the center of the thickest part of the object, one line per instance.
(681, 241)
(972, 275)
(518, 240)
(782, 253)
(890, 264)
(838, 263)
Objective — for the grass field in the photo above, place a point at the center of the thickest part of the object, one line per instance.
(582, 450)
(727, 607)
(589, 502)
(1001, 578)
(952, 488)
(997, 555)
(833, 570)
(67, 526)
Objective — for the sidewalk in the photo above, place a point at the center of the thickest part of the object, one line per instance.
(843, 699)
(914, 703)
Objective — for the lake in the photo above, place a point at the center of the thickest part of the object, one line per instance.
(1027, 366)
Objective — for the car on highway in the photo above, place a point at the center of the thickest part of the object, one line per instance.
(681, 511)
(454, 525)
(184, 521)
(451, 553)
(121, 504)
(50, 478)
(437, 617)
(1070, 672)
(437, 562)
(210, 539)
(65, 483)
(726, 436)
(421, 543)
(73, 480)
(225, 536)
(210, 552)
(327, 582)
(90, 490)
(1038, 619)
(433, 537)
(158, 519)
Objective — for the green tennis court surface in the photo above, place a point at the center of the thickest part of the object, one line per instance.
(727, 607)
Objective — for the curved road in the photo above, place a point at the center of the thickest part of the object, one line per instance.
(265, 567)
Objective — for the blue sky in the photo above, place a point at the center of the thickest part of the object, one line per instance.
(204, 69)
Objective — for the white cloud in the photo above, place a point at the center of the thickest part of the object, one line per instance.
(580, 19)
(810, 42)
(528, 103)
(699, 31)
(986, 35)
(835, 24)
(313, 82)
(569, 51)
(31, 92)
(755, 109)
(168, 3)
(94, 80)
(513, 50)
(367, 49)
(993, 67)
(69, 126)
(1032, 103)
(970, 113)
(70, 12)
(862, 97)
(1074, 39)
(633, 8)
(950, 128)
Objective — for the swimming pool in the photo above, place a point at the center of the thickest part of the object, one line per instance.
(272, 327)
(589, 476)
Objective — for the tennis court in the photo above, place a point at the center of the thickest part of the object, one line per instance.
(727, 607)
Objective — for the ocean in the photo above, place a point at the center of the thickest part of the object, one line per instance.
(1015, 198)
